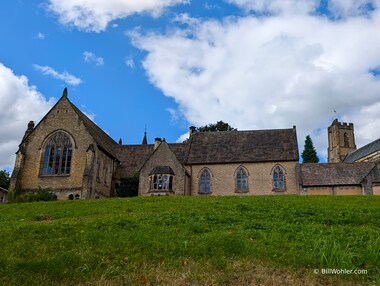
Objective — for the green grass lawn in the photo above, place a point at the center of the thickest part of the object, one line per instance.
(270, 240)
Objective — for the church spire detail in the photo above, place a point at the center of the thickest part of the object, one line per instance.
(144, 141)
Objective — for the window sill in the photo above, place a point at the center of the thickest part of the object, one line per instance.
(202, 193)
(279, 190)
(241, 192)
(54, 176)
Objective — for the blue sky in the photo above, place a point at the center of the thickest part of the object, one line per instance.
(165, 65)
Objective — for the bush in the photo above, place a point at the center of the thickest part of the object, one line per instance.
(129, 187)
(17, 196)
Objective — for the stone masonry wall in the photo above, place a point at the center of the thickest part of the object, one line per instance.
(61, 117)
(163, 156)
(259, 178)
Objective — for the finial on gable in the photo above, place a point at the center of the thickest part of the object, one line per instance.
(64, 92)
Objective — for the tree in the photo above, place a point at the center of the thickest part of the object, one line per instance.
(218, 126)
(4, 179)
(309, 155)
(128, 187)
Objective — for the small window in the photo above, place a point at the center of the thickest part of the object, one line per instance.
(162, 182)
(77, 197)
(278, 179)
(71, 197)
(205, 182)
(241, 180)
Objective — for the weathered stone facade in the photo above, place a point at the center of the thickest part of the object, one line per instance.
(86, 179)
(260, 178)
(341, 141)
(163, 162)
(69, 154)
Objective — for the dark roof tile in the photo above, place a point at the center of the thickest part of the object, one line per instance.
(243, 146)
(363, 151)
(334, 174)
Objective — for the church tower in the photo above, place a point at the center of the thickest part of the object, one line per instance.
(341, 141)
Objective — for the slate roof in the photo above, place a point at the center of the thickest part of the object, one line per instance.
(363, 151)
(243, 146)
(162, 170)
(333, 174)
(133, 157)
(101, 138)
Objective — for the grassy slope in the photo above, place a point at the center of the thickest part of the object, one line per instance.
(190, 240)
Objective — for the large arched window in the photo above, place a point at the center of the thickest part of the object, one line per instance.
(241, 180)
(57, 155)
(205, 182)
(278, 179)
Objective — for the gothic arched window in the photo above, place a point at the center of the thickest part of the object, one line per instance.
(241, 180)
(57, 155)
(205, 182)
(278, 179)
(346, 140)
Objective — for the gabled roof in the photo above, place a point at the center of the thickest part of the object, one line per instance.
(104, 141)
(363, 151)
(334, 174)
(243, 146)
(133, 157)
(162, 170)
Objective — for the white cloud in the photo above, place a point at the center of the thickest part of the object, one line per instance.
(277, 6)
(338, 8)
(90, 57)
(19, 104)
(272, 72)
(130, 62)
(185, 18)
(40, 36)
(65, 76)
(183, 137)
(95, 15)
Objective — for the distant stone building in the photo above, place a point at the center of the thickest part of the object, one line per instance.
(349, 171)
(69, 154)
(3, 195)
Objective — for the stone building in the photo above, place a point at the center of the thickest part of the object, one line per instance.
(341, 141)
(69, 154)
(3, 195)
(349, 171)
(72, 156)
(362, 178)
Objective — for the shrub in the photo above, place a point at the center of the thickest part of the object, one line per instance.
(41, 194)
(129, 187)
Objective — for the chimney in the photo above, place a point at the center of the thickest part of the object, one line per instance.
(157, 142)
(192, 130)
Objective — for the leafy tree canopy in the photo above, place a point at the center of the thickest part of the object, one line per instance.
(309, 154)
(218, 126)
(4, 179)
